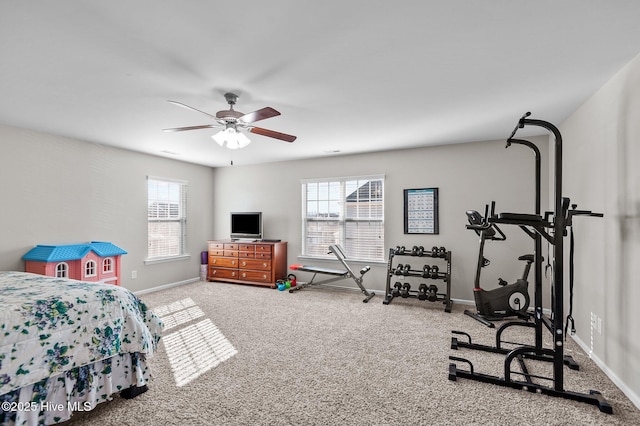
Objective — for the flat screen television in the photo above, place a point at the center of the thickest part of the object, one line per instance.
(246, 225)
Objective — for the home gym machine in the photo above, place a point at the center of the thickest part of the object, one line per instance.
(552, 227)
(508, 300)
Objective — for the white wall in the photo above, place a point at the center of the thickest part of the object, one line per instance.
(601, 157)
(468, 177)
(58, 190)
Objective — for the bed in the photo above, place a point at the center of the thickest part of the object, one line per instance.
(69, 345)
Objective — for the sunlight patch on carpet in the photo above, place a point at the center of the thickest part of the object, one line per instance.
(175, 319)
(176, 306)
(194, 349)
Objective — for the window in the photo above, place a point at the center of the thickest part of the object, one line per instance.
(346, 211)
(62, 270)
(107, 265)
(167, 218)
(90, 268)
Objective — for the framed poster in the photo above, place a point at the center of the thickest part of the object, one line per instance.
(421, 211)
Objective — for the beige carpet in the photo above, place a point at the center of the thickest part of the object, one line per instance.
(244, 355)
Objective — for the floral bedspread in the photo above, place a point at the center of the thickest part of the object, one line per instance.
(50, 325)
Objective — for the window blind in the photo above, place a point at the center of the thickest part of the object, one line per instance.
(166, 218)
(348, 211)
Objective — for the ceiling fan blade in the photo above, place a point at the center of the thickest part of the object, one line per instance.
(192, 108)
(181, 129)
(272, 134)
(258, 115)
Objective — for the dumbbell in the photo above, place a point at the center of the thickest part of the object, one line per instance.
(399, 250)
(399, 268)
(404, 291)
(414, 251)
(442, 252)
(420, 251)
(426, 271)
(406, 270)
(434, 271)
(396, 289)
(422, 292)
(434, 251)
(432, 293)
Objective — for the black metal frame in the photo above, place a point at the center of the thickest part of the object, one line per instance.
(426, 254)
(554, 231)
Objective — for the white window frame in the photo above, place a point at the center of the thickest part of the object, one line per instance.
(90, 268)
(169, 209)
(336, 213)
(107, 265)
(62, 270)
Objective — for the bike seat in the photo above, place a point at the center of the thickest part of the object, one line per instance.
(527, 257)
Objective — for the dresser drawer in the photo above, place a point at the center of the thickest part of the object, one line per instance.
(222, 273)
(230, 253)
(257, 264)
(230, 246)
(215, 252)
(246, 247)
(263, 248)
(258, 276)
(246, 254)
(224, 262)
(216, 246)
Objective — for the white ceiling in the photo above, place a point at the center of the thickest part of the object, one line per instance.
(349, 76)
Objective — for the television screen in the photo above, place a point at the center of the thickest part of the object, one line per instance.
(246, 225)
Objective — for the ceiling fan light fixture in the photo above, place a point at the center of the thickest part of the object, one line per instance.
(231, 138)
(232, 120)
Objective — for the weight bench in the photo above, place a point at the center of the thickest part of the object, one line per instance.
(336, 274)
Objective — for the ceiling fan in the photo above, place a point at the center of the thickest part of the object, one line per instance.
(232, 121)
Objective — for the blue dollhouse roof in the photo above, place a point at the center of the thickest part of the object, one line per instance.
(43, 253)
(106, 249)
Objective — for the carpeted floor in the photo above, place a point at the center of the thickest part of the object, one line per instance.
(244, 355)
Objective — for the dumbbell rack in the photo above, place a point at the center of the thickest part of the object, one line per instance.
(424, 291)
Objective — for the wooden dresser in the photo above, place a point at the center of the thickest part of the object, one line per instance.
(240, 262)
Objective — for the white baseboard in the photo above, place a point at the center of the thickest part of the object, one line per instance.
(463, 302)
(635, 399)
(166, 286)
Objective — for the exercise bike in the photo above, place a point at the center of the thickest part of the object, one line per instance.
(508, 300)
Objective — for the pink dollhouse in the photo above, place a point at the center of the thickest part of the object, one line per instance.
(95, 261)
